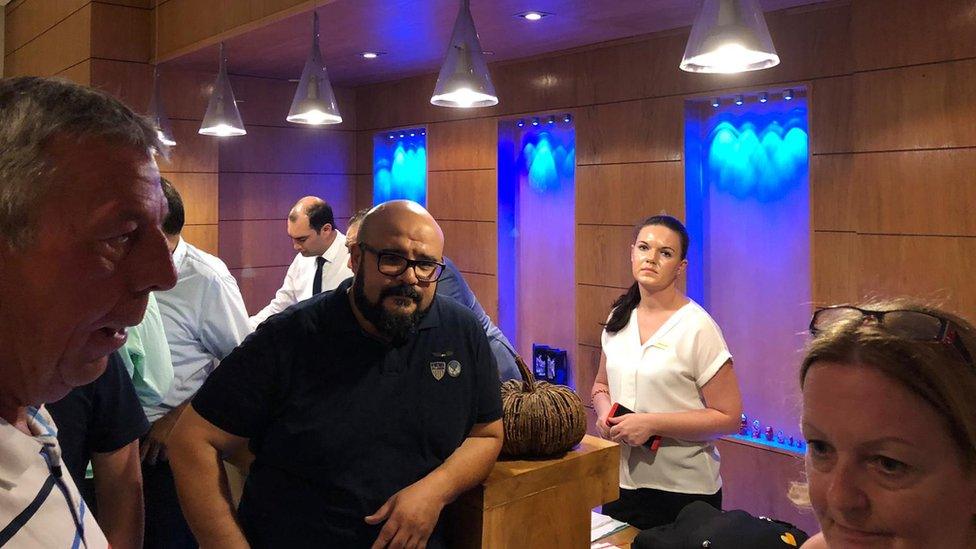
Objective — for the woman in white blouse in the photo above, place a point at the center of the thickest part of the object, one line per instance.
(665, 359)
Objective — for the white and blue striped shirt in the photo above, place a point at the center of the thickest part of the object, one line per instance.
(39, 504)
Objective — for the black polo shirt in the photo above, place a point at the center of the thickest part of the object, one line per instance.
(100, 417)
(339, 421)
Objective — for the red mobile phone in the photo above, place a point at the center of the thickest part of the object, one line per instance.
(618, 409)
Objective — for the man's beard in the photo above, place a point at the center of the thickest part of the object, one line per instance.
(396, 326)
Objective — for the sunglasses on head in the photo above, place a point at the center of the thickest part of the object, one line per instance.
(916, 325)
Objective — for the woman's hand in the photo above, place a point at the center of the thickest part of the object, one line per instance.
(632, 429)
(602, 428)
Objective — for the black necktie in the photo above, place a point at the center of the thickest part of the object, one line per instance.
(317, 283)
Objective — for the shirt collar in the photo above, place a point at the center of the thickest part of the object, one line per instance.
(21, 450)
(333, 251)
(179, 253)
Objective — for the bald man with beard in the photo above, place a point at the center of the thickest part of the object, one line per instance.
(368, 408)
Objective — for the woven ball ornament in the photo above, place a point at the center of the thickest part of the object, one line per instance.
(541, 419)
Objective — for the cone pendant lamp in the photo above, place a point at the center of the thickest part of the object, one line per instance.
(314, 101)
(463, 81)
(222, 118)
(729, 36)
(157, 115)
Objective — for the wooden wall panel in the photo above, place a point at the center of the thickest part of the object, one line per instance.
(185, 93)
(916, 192)
(34, 19)
(485, 288)
(635, 131)
(144, 4)
(79, 74)
(545, 83)
(834, 267)
(933, 268)
(202, 236)
(831, 109)
(121, 33)
(255, 243)
(832, 193)
(758, 480)
(926, 106)
(940, 30)
(587, 365)
(249, 196)
(627, 193)
(289, 150)
(265, 102)
(364, 151)
(364, 191)
(130, 82)
(405, 102)
(64, 45)
(603, 255)
(463, 145)
(471, 245)
(470, 195)
(199, 194)
(258, 285)
(592, 309)
(193, 153)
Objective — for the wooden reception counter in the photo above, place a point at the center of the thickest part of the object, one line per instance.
(538, 504)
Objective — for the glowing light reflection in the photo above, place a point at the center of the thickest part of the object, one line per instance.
(756, 154)
(400, 167)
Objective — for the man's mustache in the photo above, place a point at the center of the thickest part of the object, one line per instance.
(401, 291)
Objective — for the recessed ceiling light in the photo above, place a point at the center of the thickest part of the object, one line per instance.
(372, 54)
(532, 15)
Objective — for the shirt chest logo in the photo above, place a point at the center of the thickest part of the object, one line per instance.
(454, 368)
(437, 369)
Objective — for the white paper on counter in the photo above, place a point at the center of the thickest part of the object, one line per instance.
(602, 526)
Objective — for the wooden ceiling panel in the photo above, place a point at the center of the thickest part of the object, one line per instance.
(412, 33)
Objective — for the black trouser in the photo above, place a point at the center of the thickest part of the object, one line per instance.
(165, 526)
(646, 508)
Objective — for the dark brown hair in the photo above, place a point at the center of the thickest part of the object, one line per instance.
(621, 308)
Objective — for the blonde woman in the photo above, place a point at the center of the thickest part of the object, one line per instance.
(889, 413)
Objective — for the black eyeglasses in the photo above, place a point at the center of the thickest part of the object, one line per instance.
(394, 264)
(915, 325)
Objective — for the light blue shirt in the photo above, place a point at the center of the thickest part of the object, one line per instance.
(452, 285)
(146, 357)
(204, 319)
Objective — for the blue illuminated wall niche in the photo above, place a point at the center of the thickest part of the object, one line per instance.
(748, 212)
(536, 233)
(400, 165)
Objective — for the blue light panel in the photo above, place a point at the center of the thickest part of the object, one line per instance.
(400, 166)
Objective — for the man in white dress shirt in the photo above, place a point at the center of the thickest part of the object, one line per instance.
(81, 247)
(322, 260)
(204, 319)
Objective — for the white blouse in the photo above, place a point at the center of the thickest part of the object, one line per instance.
(666, 374)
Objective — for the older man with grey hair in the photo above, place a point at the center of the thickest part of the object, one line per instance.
(81, 247)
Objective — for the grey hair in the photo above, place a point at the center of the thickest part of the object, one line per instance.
(34, 110)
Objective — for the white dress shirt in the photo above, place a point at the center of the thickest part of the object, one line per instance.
(666, 374)
(204, 319)
(299, 278)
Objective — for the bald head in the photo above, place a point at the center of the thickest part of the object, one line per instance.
(395, 240)
(405, 218)
(311, 226)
